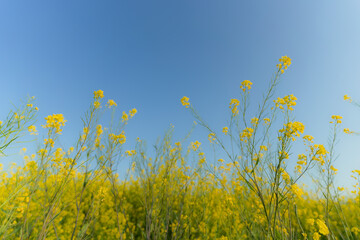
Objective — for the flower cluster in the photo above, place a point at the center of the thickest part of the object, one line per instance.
(292, 130)
(234, 103)
(225, 130)
(185, 101)
(212, 137)
(285, 62)
(319, 153)
(288, 101)
(195, 145)
(245, 85)
(32, 130)
(246, 134)
(55, 121)
(118, 139)
(336, 118)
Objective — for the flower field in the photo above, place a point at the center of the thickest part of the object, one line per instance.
(178, 190)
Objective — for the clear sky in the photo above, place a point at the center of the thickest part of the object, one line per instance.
(148, 54)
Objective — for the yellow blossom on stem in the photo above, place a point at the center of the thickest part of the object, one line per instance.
(185, 101)
(124, 117)
(55, 121)
(323, 229)
(195, 145)
(225, 130)
(121, 138)
(292, 130)
(111, 103)
(308, 138)
(336, 118)
(246, 134)
(132, 112)
(99, 130)
(32, 130)
(347, 131)
(316, 236)
(233, 106)
(212, 137)
(96, 104)
(285, 62)
(246, 85)
(333, 168)
(254, 121)
(130, 153)
(263, 148)
(347, 98)
(288, 101)
(98, 94)
(49, 141)
(296, 190)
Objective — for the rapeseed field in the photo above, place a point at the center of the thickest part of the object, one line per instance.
(177, 191)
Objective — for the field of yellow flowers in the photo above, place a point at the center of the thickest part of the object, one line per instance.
(176, 192)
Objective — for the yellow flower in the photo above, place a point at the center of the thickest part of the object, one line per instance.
(254, 121)
(296, 190)
(212, 137)
(308, 138)
(263, 148)
(111, 103)
(96, 104)
(316, 236)
(284, 154)
(267, 120)
(98, 94)
(132, 112)
(233, 106)
(246, 134)
(246, 84)
(124, 117)
(18, 117)
(288, 101)
(185, 101)
(340, 189)
(32, 130)
(310, 221)
(195, 145)
(334, 169)
(337, 118)
(83, 148)
(49, 141)
(121, 138)
(55, 121)
(285, 62)
(225, 130)
(346, 97)
(130, 153)
(347, 131)
(321, 149)
(292, 130)
(323, 229)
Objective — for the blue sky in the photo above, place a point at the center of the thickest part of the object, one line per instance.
(148, 54)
